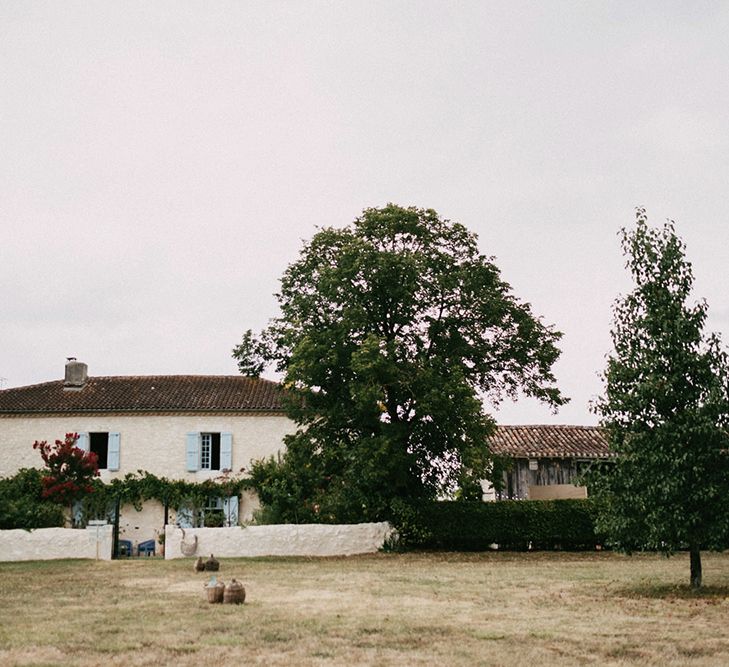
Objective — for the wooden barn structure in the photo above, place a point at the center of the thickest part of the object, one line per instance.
(545, 462)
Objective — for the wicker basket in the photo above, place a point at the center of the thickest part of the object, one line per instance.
(215, 591)
(234, 593)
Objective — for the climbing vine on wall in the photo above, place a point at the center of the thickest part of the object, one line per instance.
(135, 488)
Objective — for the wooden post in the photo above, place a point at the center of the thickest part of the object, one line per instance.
(115, 541)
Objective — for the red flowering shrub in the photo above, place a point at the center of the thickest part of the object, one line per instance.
(69, 470)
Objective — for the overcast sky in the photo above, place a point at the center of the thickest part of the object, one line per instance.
(160, 163)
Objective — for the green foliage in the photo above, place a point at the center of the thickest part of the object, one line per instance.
(391, 333)
(214, 519)
(665, 407)
(22, 504)
(250, 354)
(512, 524)
(26, 502)
(411, 524)
(288, 487)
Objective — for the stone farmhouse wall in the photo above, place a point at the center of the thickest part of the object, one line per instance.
(155, 443)
(152, 442)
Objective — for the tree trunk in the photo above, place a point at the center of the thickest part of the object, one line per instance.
(695, 566)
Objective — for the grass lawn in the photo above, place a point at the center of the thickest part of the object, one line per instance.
(387, 609)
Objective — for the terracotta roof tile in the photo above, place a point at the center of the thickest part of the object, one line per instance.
(149, 393)
(550, 441)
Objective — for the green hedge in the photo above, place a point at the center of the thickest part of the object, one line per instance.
(512, 524)
(22, 504)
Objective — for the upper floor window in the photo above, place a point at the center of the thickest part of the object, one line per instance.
(210, 451)
(106, 446)
(99, 445)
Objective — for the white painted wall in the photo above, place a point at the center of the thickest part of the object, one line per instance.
(279, 540)
(144, 525)
(555, 491)
(53, 543)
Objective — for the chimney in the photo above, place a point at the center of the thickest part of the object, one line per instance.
(76, 374)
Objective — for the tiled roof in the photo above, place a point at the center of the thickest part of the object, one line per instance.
(149, 393)
(549, 441)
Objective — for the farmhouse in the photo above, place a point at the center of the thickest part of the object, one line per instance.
(544, 462)
(195, 427)
(187, 427)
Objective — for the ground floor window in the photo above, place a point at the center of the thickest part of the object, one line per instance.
(212, 514)
(216, 512)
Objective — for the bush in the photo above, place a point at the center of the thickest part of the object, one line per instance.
(512, 524)
(213, 519)
(22, 504)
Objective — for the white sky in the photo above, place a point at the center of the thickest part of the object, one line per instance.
(161, 162)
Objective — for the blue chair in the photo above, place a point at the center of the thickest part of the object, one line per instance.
(146, 548)
(124, 548)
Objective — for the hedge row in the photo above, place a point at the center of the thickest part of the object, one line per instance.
(512, 524)
(22, 504)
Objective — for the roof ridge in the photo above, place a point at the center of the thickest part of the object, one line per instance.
(147, 392)
(181, 375)
(558, 426)
(148, 377)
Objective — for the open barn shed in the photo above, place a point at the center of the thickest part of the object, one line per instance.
(545, 462)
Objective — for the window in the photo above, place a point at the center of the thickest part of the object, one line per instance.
(212, 513)
(106, 446)
(99, 445)
(209, 451)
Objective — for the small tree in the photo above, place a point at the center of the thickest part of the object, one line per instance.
(665, 409)
(69, 470)
(392, 332)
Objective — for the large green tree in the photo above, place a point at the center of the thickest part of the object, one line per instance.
(665, 409)
(392, 331)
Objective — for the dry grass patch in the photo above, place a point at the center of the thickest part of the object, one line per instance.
(387, 609)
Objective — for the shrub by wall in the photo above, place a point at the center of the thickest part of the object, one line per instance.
(22, 504)
(513, 525)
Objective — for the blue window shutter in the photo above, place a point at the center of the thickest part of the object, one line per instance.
(193, 451)
(184, 517)
(226, 451)
(83, 441)
(77, 513)
(230, 510)
(112, 461)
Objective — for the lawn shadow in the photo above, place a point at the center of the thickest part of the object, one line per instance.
(674, 592)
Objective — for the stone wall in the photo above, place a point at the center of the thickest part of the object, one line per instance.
(278, 540)
(53, 543)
